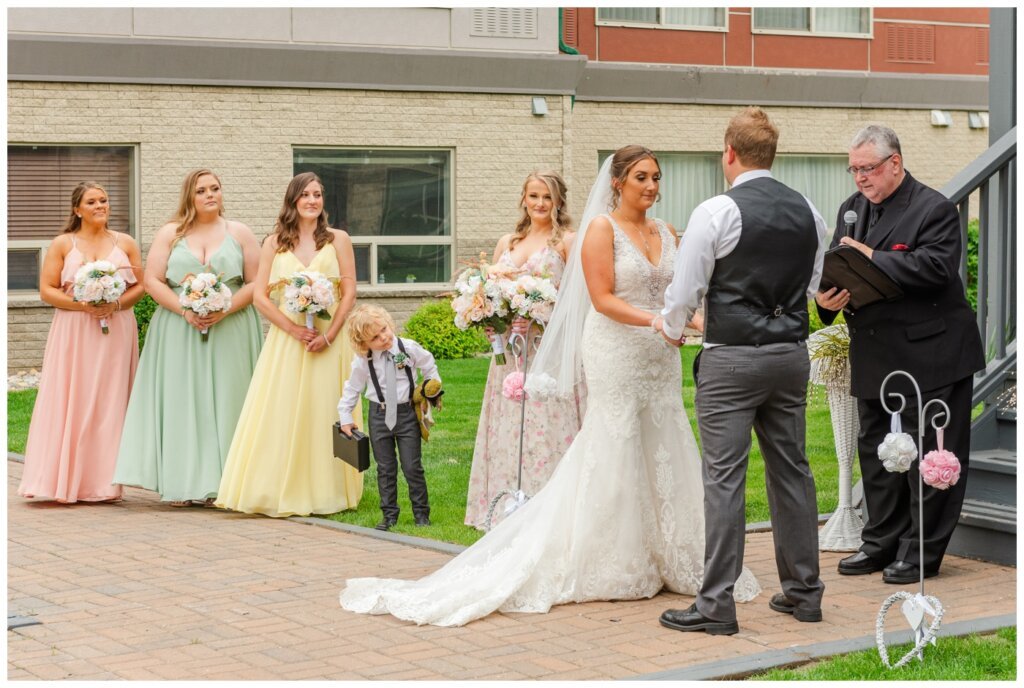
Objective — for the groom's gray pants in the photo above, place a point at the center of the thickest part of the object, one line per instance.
(764, 388)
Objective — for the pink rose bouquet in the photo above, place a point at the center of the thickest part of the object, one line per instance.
(940, 469)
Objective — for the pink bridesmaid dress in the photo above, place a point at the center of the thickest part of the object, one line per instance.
(83, 393)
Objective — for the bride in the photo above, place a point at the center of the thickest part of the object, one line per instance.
(623, 514)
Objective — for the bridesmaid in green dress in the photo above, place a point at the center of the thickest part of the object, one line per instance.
(188, 392)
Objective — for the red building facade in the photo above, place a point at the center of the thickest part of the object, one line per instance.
(883, 39)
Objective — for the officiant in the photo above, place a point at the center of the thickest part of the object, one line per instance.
(912, 232)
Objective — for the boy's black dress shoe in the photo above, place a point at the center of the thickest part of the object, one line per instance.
(904, 572)
(422, 521)
(690, 619)
(386, 524)
(780, 603)
(858, 564)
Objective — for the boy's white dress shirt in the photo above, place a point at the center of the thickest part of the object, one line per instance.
(359, 380)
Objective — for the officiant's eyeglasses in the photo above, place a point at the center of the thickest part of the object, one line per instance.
(869, 168)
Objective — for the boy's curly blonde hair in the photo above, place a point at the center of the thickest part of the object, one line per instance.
(363, 324)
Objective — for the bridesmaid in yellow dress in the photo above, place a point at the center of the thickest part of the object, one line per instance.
(281, 461)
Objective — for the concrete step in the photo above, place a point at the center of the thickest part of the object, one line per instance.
(986, 531)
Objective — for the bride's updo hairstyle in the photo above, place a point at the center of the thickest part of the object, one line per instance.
(560, 220)
(754, 138)
(623, 161)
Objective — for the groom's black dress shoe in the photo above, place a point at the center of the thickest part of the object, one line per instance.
(858, 564)
(904, 572)
(692, 620)
(386, 524)
(422, 521)
(780, 603)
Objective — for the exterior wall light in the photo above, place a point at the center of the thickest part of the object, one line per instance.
(941, 118)
(977, 120)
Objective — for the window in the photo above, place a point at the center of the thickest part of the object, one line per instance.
(687, 180)
(819, 20)
(396, 205)
(39, 184)
(664, 17)
(822, 178)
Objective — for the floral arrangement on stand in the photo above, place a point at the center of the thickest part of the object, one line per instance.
(203, 294)
(308, 292)
(829, 351)
(939, 469)
(481, 300)
(98, 283)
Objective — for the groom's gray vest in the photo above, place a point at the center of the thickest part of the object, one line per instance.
(758, 293)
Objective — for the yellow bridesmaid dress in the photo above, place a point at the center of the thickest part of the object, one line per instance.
(281, 461)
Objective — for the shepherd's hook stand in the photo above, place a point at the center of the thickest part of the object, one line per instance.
(914, 607)
(520, 345)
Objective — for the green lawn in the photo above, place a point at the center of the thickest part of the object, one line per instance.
(970, 658)
(448, 455)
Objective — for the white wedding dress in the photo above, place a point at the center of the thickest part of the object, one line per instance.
(623, 514)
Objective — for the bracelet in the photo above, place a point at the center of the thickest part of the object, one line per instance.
(117, 303)
(654, 327)
(324, 335)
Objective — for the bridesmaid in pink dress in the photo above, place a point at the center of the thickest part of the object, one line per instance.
(87, 375)
(540, 244)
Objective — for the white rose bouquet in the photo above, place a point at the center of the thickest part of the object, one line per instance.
(481, 300)
(205, 293)
(308, 292)
(97, 283)
(531, 297)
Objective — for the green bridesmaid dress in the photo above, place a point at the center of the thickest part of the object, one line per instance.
(188, 393)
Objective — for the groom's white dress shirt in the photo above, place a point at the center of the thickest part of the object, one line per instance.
(713, 232)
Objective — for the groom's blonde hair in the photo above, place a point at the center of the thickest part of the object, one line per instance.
(754, 138)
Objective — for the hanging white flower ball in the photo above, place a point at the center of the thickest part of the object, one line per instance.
(897, 451)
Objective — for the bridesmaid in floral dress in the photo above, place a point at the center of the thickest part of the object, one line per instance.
(539, 244)
(87, 375)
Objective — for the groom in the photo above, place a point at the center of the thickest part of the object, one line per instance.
(756, 252)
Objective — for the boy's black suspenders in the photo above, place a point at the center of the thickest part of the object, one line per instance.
(376, 382)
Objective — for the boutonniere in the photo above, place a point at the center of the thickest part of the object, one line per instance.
(900, 247)
(401, 360)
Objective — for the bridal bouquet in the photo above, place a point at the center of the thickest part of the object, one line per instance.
(481, 300)
(531, 297)
(205, 293)
(308, 292)
(97, 283)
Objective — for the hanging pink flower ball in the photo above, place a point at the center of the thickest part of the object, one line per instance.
(512, 387)
(940, 469)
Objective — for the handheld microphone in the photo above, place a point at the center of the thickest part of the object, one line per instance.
(850, 218)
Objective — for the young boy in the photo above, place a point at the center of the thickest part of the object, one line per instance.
(383, 372)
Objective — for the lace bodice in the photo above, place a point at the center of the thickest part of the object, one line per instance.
(546, 262)
(637, 281)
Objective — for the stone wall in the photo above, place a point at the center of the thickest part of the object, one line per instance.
(247, 136)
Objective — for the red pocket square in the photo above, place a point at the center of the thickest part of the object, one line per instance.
(900, 247)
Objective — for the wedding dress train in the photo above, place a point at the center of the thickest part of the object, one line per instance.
(622, 516)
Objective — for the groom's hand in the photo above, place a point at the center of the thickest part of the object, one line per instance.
(674, 342)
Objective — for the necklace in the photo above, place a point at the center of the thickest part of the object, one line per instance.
(642, 235)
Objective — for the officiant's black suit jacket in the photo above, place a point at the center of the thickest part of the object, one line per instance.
(931, 331)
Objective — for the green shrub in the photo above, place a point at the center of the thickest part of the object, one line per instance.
(144, 311)
(433, 326)
(972, 263)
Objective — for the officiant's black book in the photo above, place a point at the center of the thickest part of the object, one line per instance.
(355, 450)
(847, 268)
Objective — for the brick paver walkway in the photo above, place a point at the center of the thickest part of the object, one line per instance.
(139, 590)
